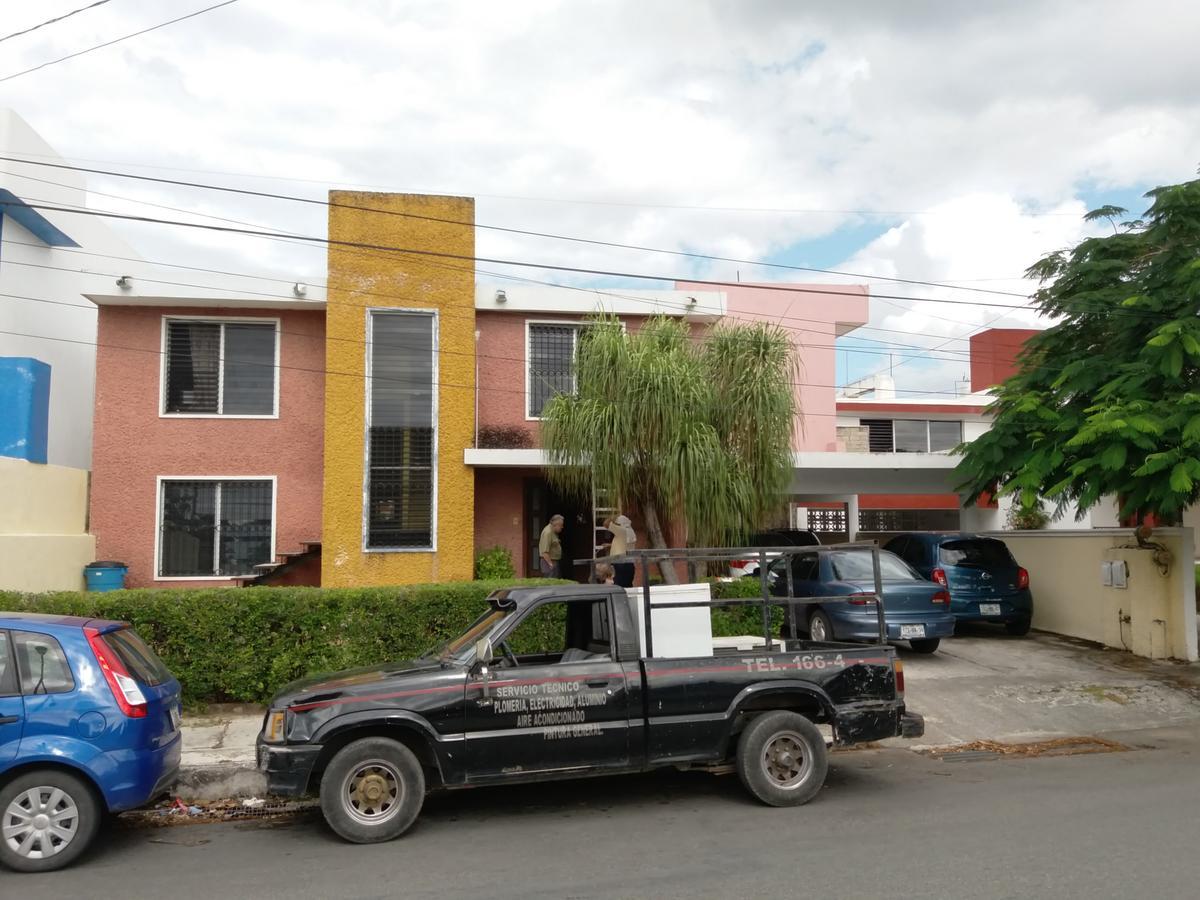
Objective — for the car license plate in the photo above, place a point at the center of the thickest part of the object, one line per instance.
(989, 609)
(176, 721)
(912, 631)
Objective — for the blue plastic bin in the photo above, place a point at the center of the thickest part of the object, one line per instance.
(105, 576)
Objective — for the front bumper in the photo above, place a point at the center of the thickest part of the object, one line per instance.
(288, 768)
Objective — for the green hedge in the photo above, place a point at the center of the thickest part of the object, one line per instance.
(243, 644)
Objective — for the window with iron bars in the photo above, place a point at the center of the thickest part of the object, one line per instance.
(401, 432)
(214, 528)
(551, 361)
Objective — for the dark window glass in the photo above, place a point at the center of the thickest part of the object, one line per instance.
(984, 554)
(193, 363)
(851, 566)
(42, 664)
(215, 527)
(901, 546)
(944, 435)
(8, 668)
(200, 380)
(249, 382)
(142, 662)
(879, 435)
(551, 364)
(401, 440)
(805, 569)
(912, 435)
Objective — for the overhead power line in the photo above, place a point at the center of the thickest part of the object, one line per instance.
(615, 245)
(552, 267)
(522, 198)
(126, 37)
(55, 19)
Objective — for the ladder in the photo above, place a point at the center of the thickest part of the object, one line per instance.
(602, 508)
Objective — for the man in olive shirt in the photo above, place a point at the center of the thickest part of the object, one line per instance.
(550, 548)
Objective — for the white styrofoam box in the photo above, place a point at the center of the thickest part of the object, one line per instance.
(743, 642)
(677, 632)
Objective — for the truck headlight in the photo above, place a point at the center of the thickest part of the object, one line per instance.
(275, 729)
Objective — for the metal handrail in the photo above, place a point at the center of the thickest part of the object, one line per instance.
(766, 600)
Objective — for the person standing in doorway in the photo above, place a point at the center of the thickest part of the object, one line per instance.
(550, 548)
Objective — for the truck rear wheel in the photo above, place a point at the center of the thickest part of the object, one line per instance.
(781, 759)
(372, 790)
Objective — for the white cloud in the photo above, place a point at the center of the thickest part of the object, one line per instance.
(973, 113)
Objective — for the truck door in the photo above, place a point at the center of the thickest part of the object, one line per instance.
(12, 707)
(554, 697)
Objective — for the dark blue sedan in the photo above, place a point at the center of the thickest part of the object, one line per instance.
(89, 724)
(985, 582)
(915, 610)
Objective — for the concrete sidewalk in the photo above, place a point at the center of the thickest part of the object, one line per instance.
(218, 754)
(981, 685)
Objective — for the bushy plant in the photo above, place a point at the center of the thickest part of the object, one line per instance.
(494, 564)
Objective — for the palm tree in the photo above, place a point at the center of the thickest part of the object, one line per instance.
(694, 430)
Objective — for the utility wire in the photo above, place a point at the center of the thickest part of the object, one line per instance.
(494, 260)
(56, 19)
(126, 37)
(528, 199)
(507, 230)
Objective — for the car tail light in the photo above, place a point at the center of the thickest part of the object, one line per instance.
(1022, 579)
(898, 668)
(941, 597)
(861, 599)
(939, 575)
(124, 689)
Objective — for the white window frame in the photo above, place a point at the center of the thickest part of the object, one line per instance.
(434, 314)
(158, 502)
(579, 325)
(218, 320)
(928, 436)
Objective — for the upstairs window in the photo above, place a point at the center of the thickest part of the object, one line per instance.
(401, 432)
(551, 360)
(912, 435)
(220, 368)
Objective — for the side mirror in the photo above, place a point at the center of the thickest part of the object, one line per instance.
(483, 651)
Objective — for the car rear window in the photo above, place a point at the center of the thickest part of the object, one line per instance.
(142, 662)
(983, 554)
(851, 566)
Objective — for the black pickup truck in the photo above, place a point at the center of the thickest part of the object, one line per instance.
(488, 708)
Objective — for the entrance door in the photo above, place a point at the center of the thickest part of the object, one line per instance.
(554, 698)
(578, 534)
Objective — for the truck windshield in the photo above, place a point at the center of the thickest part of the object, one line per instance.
(461, 645)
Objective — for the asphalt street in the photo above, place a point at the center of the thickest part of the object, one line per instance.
(889, 822)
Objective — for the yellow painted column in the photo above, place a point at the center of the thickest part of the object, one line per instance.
(361, 280)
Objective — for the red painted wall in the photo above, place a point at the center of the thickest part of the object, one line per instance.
(133, 444)
(994, 355)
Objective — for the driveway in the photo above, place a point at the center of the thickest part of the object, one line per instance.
(985, 685)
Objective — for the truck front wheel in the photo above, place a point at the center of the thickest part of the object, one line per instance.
(372, 790)
(781, 759)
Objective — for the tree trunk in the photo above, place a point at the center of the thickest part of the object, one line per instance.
(658, 542)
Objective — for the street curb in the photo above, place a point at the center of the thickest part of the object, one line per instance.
(226, 780)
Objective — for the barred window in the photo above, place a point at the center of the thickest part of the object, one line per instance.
(401, 431)
(220, 368)
(214, 528)
(551, 364)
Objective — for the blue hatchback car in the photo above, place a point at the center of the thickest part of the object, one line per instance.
(89, 723)
(985, 582)
(914, 610)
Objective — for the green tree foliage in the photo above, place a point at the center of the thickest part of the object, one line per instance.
(695, 431)
(1107, 400)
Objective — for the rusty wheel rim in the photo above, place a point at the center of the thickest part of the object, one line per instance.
(786, 760)
(372, 792)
